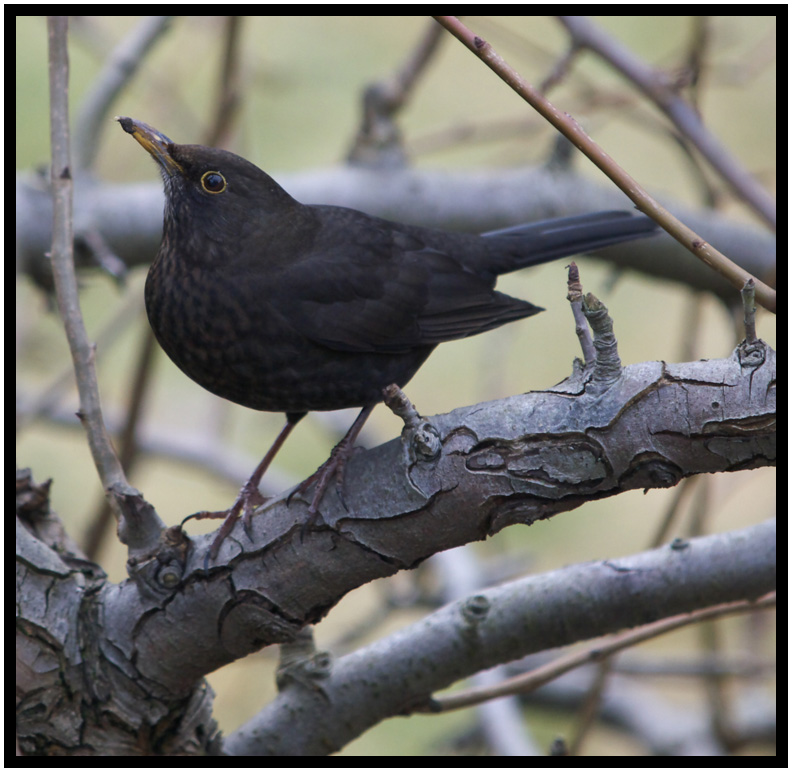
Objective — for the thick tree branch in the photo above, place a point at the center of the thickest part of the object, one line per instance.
(398, 673)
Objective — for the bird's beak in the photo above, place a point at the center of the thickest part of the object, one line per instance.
(153, 141)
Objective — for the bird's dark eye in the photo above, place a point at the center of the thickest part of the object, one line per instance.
(213, 182)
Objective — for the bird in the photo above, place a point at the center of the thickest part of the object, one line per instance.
(286, 307)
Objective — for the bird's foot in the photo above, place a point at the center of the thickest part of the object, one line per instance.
(243, 508)
(332, 468)
(249, 497)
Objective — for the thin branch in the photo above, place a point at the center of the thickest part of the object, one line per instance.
(567, 125)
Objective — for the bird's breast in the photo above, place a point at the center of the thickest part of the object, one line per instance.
(227, 337)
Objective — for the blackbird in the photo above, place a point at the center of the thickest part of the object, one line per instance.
(280, 306)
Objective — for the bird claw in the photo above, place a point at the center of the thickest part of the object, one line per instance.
(322, 477)
(246, 503)
(332, 468)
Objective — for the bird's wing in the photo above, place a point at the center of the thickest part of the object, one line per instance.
(388, 292)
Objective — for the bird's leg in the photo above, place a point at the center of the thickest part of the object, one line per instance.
(249, 497)
(335, 465)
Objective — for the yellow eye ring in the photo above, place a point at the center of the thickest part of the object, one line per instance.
(213, 182)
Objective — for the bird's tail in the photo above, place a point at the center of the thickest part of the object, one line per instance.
(534, 243)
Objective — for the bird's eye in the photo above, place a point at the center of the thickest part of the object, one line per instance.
(213, 182)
